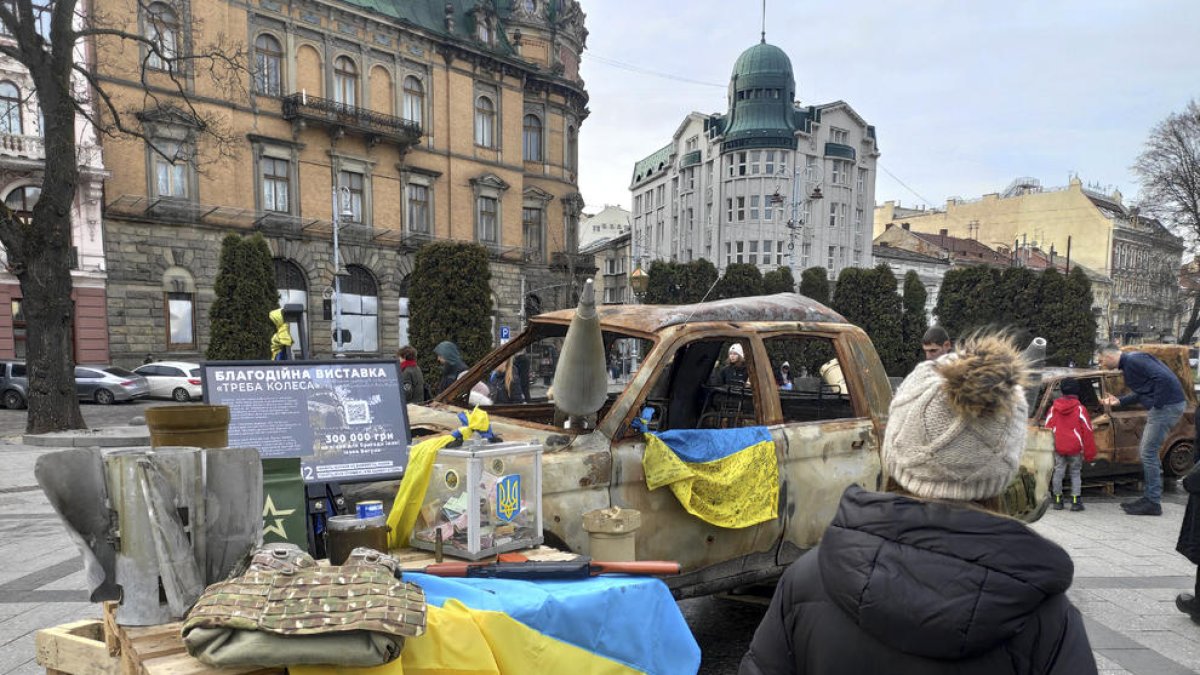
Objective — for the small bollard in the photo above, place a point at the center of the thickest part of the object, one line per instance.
(611, 533)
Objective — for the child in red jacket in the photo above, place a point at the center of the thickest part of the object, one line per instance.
(1073, 441)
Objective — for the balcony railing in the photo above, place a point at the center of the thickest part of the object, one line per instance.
(13, 145)
(331, 113)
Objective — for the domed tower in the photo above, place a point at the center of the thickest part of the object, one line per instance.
(549, 33)
(761, 92)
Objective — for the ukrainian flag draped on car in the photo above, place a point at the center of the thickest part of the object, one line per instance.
(727, 477)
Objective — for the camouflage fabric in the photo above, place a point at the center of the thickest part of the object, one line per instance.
(286, 610)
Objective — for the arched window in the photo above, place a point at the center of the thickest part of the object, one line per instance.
(345, 81)
(533, 138)
(360, 309)
(268, 58)
(485, 122)
(22, 199)
(10, 109)
(414, 100)
(572, 148)
(293, 290)
(162, 30)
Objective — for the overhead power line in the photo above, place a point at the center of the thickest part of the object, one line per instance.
(905, 185)
(646, 71)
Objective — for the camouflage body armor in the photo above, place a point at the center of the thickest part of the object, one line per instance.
(287, 610)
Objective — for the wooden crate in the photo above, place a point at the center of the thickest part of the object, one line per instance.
(101, 647)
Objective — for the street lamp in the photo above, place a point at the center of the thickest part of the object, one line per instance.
(812, 176)
(342, 193)
(639, 281)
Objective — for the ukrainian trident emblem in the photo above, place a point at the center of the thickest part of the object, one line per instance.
(508, 497)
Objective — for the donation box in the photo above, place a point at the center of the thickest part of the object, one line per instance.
(484, 499)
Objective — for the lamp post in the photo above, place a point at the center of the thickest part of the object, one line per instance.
(812, 176)
(338, 192)
(639, 281)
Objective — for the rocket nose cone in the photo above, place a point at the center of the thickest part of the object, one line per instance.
(587, 301)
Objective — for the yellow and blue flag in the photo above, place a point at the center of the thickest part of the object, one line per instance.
(608, 625)
(726, 477)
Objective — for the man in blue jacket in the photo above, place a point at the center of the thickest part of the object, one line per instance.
(1155, 386)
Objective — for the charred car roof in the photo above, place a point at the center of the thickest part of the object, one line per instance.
(652, 318)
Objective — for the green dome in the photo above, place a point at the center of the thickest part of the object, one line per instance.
(763, 59)
(761, 92)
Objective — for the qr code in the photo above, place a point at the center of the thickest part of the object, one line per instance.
(358, 412)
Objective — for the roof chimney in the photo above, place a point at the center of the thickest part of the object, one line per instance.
(905, 226)
(943, 232)
(889, 226)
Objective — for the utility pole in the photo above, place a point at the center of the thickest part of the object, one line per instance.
(337, 268)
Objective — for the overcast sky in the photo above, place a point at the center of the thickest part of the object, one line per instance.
(965, 95)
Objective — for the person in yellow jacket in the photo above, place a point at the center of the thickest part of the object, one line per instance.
(281, 341)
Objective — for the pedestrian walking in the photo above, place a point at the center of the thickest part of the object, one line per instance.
(1074, 442)
(1155, 386)
(935, 343)
(450, 357)
(1189, 541)
(936, 580)
(411, 376)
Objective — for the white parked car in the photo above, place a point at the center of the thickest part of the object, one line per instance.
(177, 380)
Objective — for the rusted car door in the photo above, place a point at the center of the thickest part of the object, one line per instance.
(682, 396)
(1127, 423)
(824, 433)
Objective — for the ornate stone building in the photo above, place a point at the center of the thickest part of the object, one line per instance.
(1113, 240)
(22, 154)
(770, 182)
(427, 119)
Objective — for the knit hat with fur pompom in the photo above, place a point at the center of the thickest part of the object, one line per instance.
(956, 428)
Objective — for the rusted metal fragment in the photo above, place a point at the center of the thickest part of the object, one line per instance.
(652, 318)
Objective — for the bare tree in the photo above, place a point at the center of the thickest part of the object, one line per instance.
(1169, 170)
(51, 39)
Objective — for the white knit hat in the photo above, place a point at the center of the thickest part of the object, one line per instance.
(736, 348)
(956, 427)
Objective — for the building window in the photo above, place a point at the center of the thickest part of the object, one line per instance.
(833, 212)
(276, 184)
(858, 219)
(829, 262)
(741, 209)
(353, 182)
(572, 148)
(531, 224)
(21, 200)
(484, 31)
(837, 135)
(486, 217)
(181, 321)
(414, 100)
(170, 169)
(345, 81)
(418, 208)
(485, 122)
(162, 32)
(293, 290)
(753, 207)
(18, 329)
(862, 181)
(359, 304)
(533, 139)
(268, 61)
(10, 109)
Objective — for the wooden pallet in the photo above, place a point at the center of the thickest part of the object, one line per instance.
(101, 647)
(1109, 485)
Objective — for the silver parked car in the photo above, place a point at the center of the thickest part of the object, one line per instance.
(106, 384)
(14, 383)
(178, 380)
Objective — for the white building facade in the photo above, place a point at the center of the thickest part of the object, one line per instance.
(770, 183)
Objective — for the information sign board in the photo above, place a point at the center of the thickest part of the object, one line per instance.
(345, 420)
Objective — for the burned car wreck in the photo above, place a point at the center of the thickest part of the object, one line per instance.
(826, 421)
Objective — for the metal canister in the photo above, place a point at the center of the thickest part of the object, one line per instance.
(370, 509)
(346, 533)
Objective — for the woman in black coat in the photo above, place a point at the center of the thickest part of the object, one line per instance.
(936, 580)
(1189, 537)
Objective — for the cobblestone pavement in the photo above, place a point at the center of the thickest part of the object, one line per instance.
(1126, 577)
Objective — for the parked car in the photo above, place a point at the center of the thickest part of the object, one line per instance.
(1118, 430)
(827, 429)
(106, 384)
(14, 384)
(178, 380)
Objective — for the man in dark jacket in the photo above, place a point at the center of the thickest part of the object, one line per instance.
(1155, 386)
(450, 357)
(933, 583)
